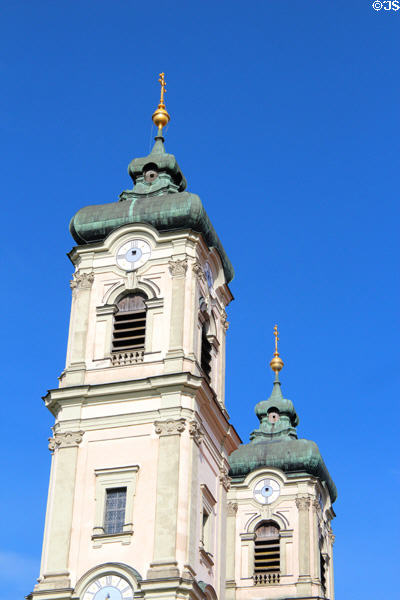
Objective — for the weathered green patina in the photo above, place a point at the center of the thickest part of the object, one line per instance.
(275, 444)
(158, 198)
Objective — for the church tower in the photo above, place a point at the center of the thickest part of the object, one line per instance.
(279, 535)
(138, 488)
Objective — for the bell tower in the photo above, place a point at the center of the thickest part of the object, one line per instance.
(279, 535)
(138, 487)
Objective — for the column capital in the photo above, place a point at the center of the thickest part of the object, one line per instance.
(69, 439)
(178, 267)
(224, 478)
(195, 432)
(81, 281)
(232, 508)
(303, 503)
(170, 427)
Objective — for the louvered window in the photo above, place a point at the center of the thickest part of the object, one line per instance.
(114, 518)
(323, 573)
(205, 353)
(129, 324)
(267, 554)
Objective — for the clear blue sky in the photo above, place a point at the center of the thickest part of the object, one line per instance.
(285, 120)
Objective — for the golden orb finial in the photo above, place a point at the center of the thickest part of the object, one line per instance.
(276, 363)
(160, 116)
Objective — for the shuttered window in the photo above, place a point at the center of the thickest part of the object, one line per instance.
(266, 553)
(129, 323)
(205, 353)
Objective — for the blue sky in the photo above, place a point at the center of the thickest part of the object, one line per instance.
(285, 121)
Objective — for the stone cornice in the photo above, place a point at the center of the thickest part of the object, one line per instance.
(185, 382)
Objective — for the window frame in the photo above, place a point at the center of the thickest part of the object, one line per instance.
(108, 479)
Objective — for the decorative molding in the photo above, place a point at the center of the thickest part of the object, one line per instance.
(170, 427)
(178, 267)
(224, 320)
(199, 271)
(195, 432)
(69, 439)
(303, 503)
(224, 478)
(81, 281)
(316, 506)
(231, 509)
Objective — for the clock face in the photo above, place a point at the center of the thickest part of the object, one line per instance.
(208, 274)
(266, 491)
(109, 587)
(133, 254)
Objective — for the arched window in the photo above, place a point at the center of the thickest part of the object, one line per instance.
(266, 554)
(130, 325)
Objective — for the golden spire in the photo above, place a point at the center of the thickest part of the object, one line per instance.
(160, 116)
(276, 363)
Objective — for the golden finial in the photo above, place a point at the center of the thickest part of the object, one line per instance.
(160, 116)
(276, 363)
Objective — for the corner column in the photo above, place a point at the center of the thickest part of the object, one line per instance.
(231, 511)
(304, 583)
(59, 517)
(81, 286)
(174, 358)
(164, 555)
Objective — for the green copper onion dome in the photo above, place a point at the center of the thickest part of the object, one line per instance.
(275, 443)
(158, 198)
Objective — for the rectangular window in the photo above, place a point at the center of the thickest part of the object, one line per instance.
(114, 518)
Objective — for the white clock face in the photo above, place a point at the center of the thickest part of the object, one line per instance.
(109, 587)
(133, 254)
(266, 491)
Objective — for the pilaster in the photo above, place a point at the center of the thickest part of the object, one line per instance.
(164, 554)
(55, 573)
(304, 582)
(81, 286)
(174, 358)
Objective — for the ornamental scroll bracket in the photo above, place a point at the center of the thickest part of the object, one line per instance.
(195, 432)
(170, 427)
(69, 439)
(81, 281)
(178, 267)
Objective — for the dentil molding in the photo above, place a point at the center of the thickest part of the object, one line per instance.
(170, 427)
(69, 439)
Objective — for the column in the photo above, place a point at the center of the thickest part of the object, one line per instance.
(81, 286)
(164, 554)
(303, 506)
(231, 545)
(175, 354)
(194, 486)
(60, 510)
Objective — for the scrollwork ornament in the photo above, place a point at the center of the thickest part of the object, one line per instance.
(69, 439)
(224, 320)
(170, 427)
(303, 503)
(232, 509)
(178, 267)
(224, 478)
(199, 271)
(82, 281)
(195, 432)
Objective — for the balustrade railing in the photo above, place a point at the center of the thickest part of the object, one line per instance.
(127, 357)
(266, 578)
